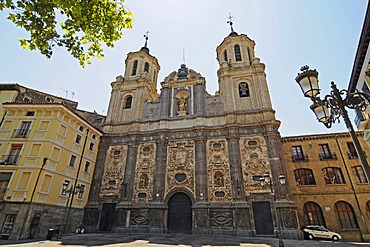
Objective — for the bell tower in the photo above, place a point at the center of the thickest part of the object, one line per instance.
(241, 75)
(138, 86)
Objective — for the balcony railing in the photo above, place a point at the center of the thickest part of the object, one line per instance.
(352, 155)
(300, 158)
(21, 133)
(331, 156)
(9, 160)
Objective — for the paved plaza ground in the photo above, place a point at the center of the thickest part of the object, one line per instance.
(162, 240)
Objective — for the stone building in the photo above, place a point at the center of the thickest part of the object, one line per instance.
(328, 183)
(188, 161)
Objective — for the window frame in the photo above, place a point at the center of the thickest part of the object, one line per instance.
(338, 177)
(247, 93)
(128, 102)
(134, 67)
(313, 214)
(72, 161)
(302, 175)
(237, 53)
(346, 216)
(360, 176)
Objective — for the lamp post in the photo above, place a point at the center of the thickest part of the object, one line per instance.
(266, 181)
(71, 192)
(332, 106)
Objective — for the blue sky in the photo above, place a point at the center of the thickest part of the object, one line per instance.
(287, 33)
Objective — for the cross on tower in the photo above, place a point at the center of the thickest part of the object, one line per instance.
(230, 22)
(146, 36)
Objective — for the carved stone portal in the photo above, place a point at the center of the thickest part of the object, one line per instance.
(143, 187)
(218, 171)
(114, 169)
(255, 162)
(180, 166)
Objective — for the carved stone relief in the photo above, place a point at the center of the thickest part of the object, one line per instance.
(180, 166)
(221, 218)
(114, 169)
(255, 162)
(214, 105)
(143, 185)
(218, 171)
(139, 217)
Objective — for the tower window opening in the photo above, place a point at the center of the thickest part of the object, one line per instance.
(243, 90)
(238, 55)
(146, 67)
(225, 56)
(128, 102)
(134, 68)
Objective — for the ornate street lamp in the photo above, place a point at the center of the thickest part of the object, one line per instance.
(332, 106)
(71, 191)
(266, 181)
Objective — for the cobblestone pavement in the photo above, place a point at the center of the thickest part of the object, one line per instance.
(170, 240)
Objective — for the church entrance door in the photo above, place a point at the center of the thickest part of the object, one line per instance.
(107, 216)
(179, 214)
(263, 218)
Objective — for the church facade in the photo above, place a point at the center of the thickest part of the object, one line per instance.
(187, 161)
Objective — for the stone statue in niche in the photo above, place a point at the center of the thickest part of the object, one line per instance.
(182, 103)
(143, 181)
(219, 179)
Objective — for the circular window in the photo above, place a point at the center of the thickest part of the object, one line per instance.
(180, 177)
(146, 149)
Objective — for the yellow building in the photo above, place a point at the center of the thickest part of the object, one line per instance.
(47, 154)
(328, 184)
(360, 76)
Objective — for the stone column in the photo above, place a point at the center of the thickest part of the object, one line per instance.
(201, 212)
(235, 167)
(285, 207)
(165, 103)
(130, 170)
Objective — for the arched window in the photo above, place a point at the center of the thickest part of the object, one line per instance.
(243, 90)
(238, 55)
(134, 68)
(146, 67)
(226, 59)
(313, 214)
(333, 175)
(304, 176)
(345, 215)
(128, 102)
(360, 176)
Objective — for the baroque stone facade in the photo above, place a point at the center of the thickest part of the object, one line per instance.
(188, 161)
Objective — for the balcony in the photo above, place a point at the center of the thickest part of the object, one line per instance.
(300, 158)
(21, 133)
(352, 155)
(331, 156)
(9, 160)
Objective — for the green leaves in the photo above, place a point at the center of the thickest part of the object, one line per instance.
(81, 26)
